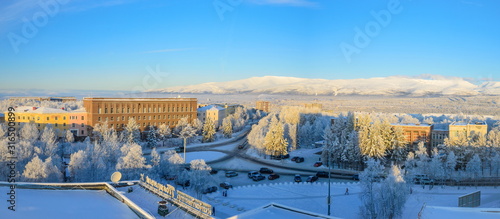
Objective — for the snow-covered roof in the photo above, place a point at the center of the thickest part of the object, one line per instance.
(41, 110)
(412, 124)
(278, 211)
(466, 124)
(211, 107)
(460, 212)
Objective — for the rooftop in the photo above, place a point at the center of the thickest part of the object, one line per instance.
(413, 124)
(137, 99)
(211, 107)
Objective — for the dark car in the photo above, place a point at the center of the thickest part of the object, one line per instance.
(213, 171)
(273, 176)
(241, 146)
(299, 160)
(318, 163)
(209, 190)
(322, 174)
(179, 149)
(312, 179)
(265, 170)
(280, 157)
(294, 158)
(297, 178)
(226, 185)
(231, 174)
(258, 178)
(253, 173)
(183, 183)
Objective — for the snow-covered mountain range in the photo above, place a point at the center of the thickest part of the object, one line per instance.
(394, 85)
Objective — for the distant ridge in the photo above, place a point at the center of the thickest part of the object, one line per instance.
(391, 86)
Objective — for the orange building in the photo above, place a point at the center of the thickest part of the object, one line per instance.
(146, 111)
(415, 133)
(264, 106)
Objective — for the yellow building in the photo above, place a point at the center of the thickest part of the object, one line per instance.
(467, 130)
(212, 112)
(42, 116)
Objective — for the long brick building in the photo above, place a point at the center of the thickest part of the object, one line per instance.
(146, 111)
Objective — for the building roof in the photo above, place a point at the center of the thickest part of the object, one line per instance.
(211, 107)
(413, 124)
(137, 99)
(278, 211)
(46, 110)
(466, 124)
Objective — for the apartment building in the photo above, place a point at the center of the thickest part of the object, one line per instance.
(415, 133)
(213, 112)
(146, 111)
(263, 105)
(467, 130)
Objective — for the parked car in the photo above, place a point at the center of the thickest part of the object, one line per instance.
(241, 146)
(280, 157)
(253, 173)
(312, 179)
(273, 176)
(422, 179)
(265, 170)
(183, 183)
(213, 171)
(179, 149)
(294, 158)
(258, 178)
(171, 177)
(226, 185)
(231, 174)
(209, 190)
(299, 160)
(322, 174)
(297, 178)
(318, 163)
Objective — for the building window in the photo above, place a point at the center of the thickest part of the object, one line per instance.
(73, 125)
(99, 118)
(64, 124)
(144, 118)
(128, 110)
(99, 111)
(149, 117)
(117, 118)
(111, 110)
(38, 124)
(83, 125)
(105, 110)
(123, 118)
(56, 117)
(83, 118)
(111, 118)
(56, 124)
(82, 132)
(64, 117)
(48, 118)
(38, 118)
(138, 118)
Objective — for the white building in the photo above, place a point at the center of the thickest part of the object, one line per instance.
(214, 112)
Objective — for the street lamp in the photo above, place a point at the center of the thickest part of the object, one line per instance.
(328, 199)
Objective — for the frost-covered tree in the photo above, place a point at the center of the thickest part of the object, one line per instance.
(393, 195)
(275, 142)
(227, 127)
(450, 164)
(370, 188)
(131, 132)
(474, 167)
(198, 126)
(187, 132)
(257, 134)
(29, 132)
(132, 163)
(181, 124)
(306, 134)
(70, 137)
(209, 130)
(164, 133)
(3, 131)
(152, 137)
(79, 166)
(199, 176)
(38, 171)
(49, 145)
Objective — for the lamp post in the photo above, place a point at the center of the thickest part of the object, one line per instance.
(328, 199)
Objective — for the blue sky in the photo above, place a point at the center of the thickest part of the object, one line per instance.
(137, 45)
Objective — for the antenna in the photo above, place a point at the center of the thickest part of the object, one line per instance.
(116, 176)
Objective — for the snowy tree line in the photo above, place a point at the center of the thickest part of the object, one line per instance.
(289, 129)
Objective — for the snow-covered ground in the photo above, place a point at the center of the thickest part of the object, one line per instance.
(439, 202)
(33, 203)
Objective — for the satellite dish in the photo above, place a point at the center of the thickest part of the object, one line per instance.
(116, 176)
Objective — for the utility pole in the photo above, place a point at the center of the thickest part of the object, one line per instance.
(328, 199)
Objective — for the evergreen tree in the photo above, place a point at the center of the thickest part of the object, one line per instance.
(152, 137)
(227, 127)
(274, 142)
(209, 130)
(131, 132)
